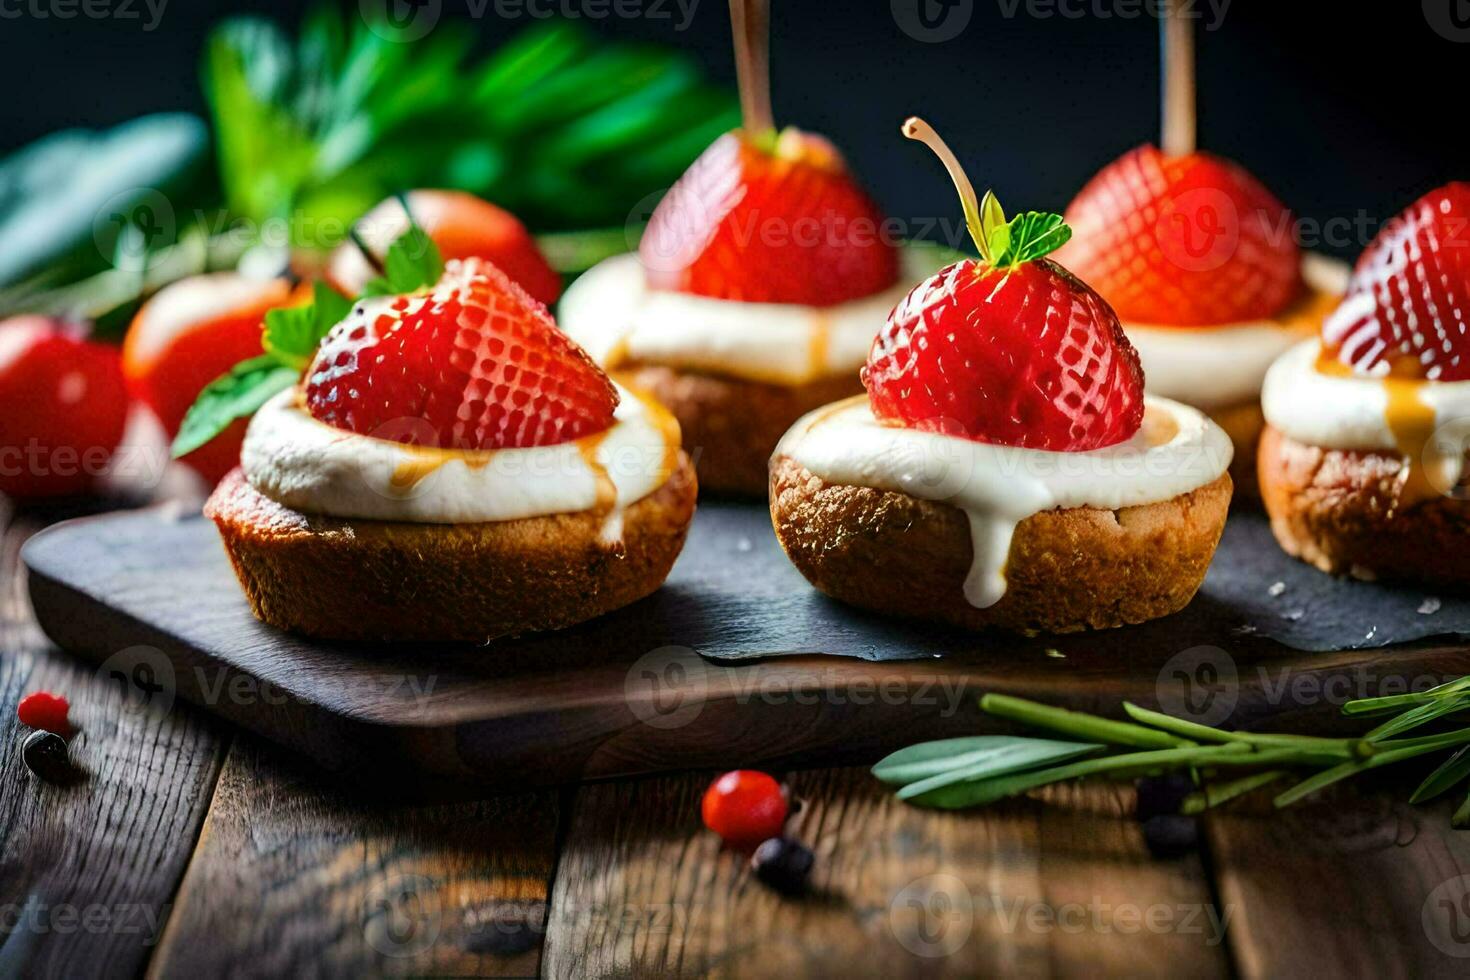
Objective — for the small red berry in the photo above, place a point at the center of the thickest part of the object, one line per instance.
(45, 711)
(744, 807)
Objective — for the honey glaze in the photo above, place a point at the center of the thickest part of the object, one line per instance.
(424, 461)
(1412, 421)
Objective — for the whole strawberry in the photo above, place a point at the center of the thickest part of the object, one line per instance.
(1011, 349)
(474, 363)
(1407, 308)
(767, 219)
(1187, 240)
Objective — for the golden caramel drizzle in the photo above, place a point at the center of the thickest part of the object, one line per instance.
(821, 339)
(668, 428)
(424, 461)
(607, 491)
(1409, 419)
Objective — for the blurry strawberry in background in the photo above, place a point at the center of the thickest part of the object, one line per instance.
(64, 408)
(462, 226)
(190, 333)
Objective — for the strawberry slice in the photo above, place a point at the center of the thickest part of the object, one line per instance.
(1024, 356)
(1408, 302)
(784, 224)
(1189, 240)
(473, 364)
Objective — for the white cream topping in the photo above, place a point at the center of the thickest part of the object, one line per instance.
(1426, 421)
(192, 299)
(316, 468)
(1219, 366)
(1176, 450)
(617, 318)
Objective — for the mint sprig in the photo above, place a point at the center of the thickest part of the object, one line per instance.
(966, 772)
(235, 395)
(1005, 243)
(291, 336)
(292, 333)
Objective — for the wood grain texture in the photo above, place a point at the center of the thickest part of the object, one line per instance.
(1031, 887)
(88, 869)
(628, 693)
(1351, 883)
(290, 879)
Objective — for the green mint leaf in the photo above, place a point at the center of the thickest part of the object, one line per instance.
(413, 262)
(292, 333)
(236, 395)
(992, 227)
(1029, 236)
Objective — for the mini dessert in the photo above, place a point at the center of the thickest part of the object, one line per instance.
(461, 226)
(758, 287)
(1201, 264)
(1005, 468)
(1363, 456)
(452, 467)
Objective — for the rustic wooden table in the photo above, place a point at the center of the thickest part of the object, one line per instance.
(188, 849)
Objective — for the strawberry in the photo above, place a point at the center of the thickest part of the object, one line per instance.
(775, 220)
(1407, 308)
(463, 226)
(1189, 240)
(1012, 349)
(1024, 356)
(65, 409)
(473, 364)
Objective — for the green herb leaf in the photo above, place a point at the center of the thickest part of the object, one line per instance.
(1022, 755)
(292, 333)
(1029, 236)
(992, 223)
(236, 395)
(919, 763)
(413, 262)
(1078, 724)
(1451, 772)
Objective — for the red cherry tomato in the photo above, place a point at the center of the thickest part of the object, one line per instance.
(45, 711)
(745, 807)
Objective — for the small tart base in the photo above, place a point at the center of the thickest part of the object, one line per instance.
(731, 426)
(1069, 570)
(1345, 511)
(1243, 424)
(386, 580)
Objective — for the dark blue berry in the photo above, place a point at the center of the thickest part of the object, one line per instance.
(784, 865)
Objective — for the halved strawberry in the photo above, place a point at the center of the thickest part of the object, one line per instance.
(1189, 240)
(784, 223)
(475, 363)
(1407, 308)
(1021, 356)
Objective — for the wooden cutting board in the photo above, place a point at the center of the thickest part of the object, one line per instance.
(149, 596)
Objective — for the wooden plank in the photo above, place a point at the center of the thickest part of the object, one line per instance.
(627, 693)
(88, 870)
(1352, 883)
(291, 878)
(1027, 887)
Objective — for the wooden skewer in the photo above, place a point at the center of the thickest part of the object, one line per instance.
(917, 129)
(750, 21)
(1176, 37)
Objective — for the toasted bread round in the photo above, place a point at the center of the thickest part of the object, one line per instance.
(388, 580)
(731, 426)
(1068, 570)
(1347, 512)
(1243, 424)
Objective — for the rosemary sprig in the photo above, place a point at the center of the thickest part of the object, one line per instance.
(966, 772)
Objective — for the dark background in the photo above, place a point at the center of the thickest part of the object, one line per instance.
(1346, 114)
